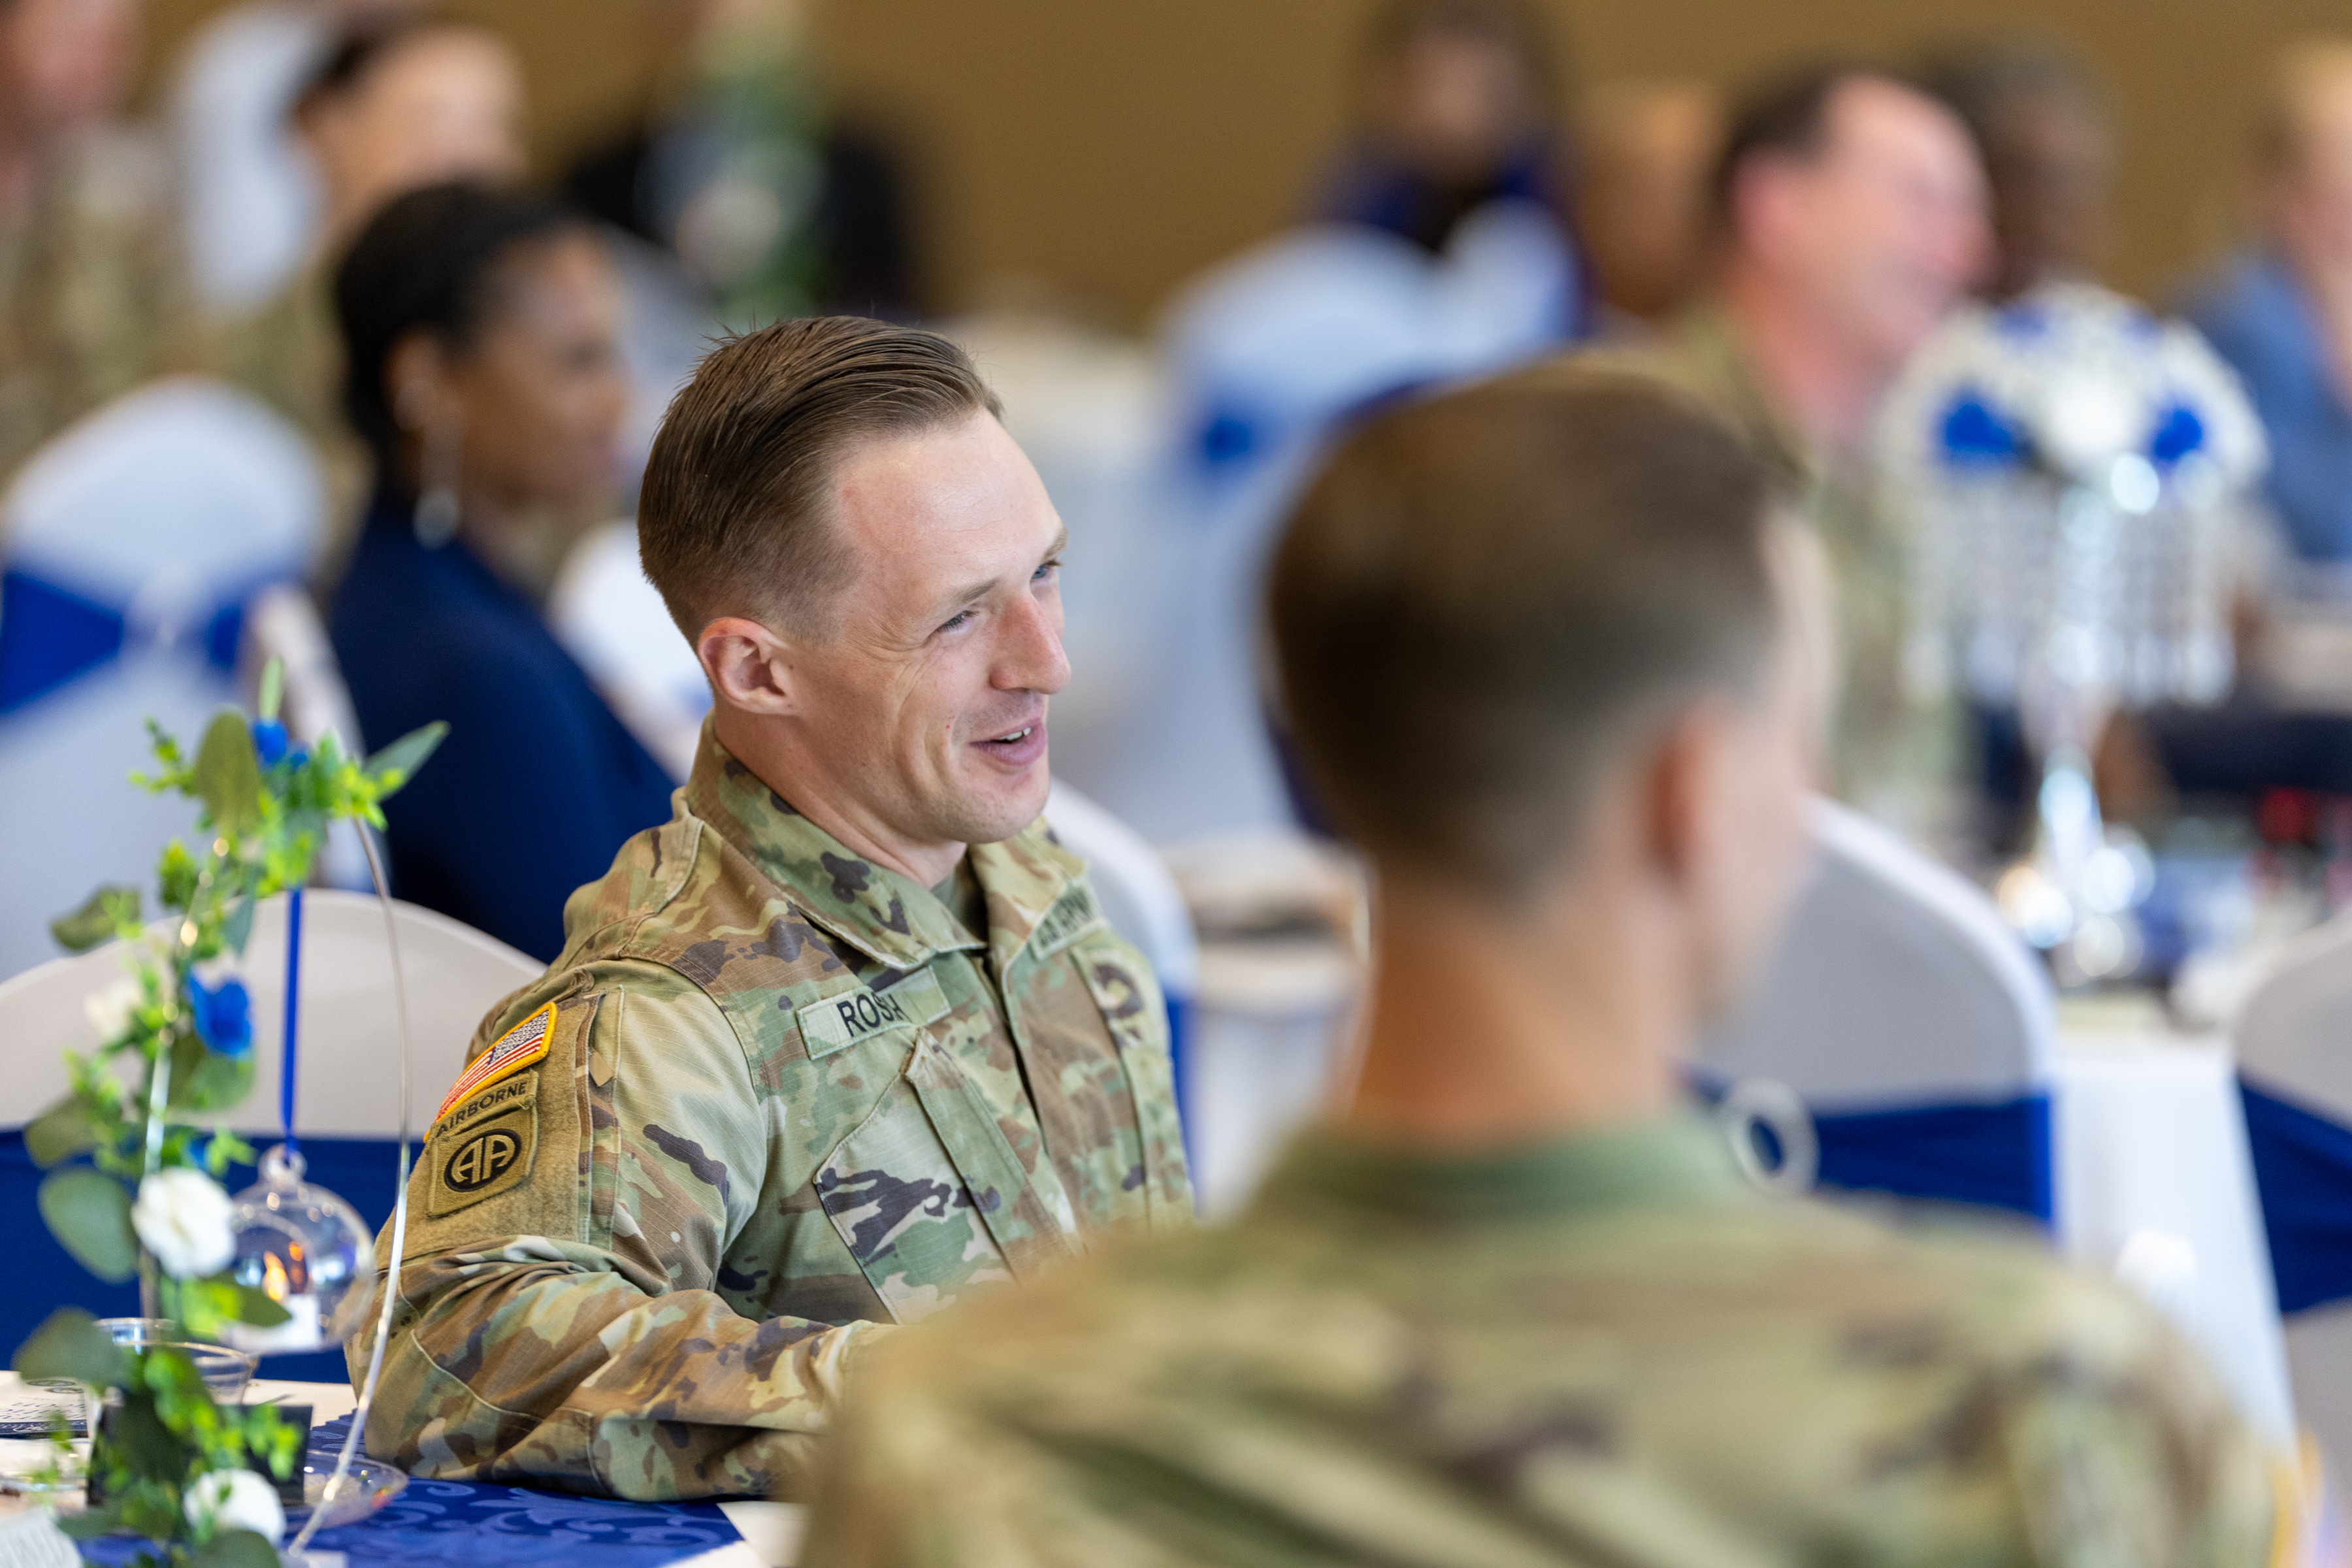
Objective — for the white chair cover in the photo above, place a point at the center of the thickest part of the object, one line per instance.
(348, 1076)
(132, 545)
(1896, 984)
(2293, 1042)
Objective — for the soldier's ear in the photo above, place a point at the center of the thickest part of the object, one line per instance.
(749, 665)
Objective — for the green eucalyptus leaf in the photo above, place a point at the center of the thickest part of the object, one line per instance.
(255, 1307)
(89, 1214)
(177, 876)
(70, 1343)
(237, 1548)
(228, 774)
(204, 1079)
(238, 930)
(397, 764)
(98, 920)
(60, 1132)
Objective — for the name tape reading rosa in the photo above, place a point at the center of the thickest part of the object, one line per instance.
(841, 1021)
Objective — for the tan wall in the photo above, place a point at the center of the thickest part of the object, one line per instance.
(1110, 147)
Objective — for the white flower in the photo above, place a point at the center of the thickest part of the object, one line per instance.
(237, 1499)
(109, 1010)
(184, 1218)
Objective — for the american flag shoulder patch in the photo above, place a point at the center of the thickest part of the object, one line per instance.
(515, 1049)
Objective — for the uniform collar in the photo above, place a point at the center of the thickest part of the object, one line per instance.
(1711, 338)
(882, 913)
(1675, 1160)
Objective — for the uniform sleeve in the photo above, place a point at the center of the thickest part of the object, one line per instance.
(2123, 1450)
(920, 1473)
(556, 1321)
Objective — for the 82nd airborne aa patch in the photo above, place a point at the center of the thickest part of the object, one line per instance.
(484, 1149)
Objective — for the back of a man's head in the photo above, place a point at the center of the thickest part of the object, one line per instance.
(1485, 600)
(732, 518)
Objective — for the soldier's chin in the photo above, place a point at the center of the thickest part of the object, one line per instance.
(996, 806)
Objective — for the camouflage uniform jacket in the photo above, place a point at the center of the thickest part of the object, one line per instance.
(93, 299)
(1601, 1349)
(770, 1096)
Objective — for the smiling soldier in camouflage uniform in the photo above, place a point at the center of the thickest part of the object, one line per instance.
(779, 1094)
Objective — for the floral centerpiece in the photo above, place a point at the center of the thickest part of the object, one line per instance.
(133, 1188)
(2075, 470)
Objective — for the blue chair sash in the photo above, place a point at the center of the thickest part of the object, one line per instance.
(2302, 1169)
(1990, 1153)
(51, 637)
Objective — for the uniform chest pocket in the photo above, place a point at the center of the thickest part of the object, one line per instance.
(907, 1212)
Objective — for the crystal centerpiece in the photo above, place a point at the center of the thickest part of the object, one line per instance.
(2076, 472)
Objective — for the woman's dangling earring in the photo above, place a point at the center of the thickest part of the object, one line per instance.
(437, 500)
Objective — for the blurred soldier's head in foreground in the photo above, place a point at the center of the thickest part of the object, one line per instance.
(1542, 646)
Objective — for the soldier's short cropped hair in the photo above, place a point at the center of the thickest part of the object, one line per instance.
(1483, 598)
(730, 519)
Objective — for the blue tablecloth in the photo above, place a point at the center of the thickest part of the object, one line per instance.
(457, 1522)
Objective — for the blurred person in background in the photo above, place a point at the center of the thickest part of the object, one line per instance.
(2042, 128)
(2281, 312)
(1457, 106)
(480, 334)
(249, 195)
(393, 106)
(1850, 212)
(2281, 315)
(92, 289)
(1644, 151)
(1438, 248)
(771, 203)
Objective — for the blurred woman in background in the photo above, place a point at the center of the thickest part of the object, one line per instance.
(394, 106)
(479, 329)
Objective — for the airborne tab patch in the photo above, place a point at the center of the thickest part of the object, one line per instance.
(841, 1021)
(515, 1049)
(1073, 915)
